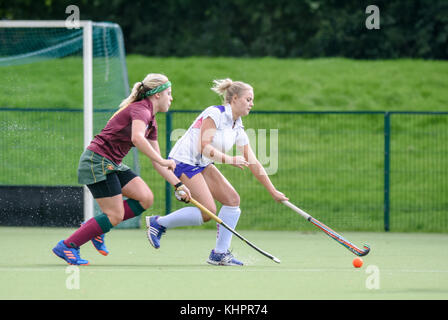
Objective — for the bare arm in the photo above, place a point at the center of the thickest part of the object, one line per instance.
(167, 174)
(208, 130)
(141, 143)
(164, 167)
(260, 174)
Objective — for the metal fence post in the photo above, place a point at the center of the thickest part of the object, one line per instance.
(169, 128)
(387, 171)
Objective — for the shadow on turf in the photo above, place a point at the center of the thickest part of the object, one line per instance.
(130, 266)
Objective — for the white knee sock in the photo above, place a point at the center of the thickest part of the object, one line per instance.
(230, 216)
(187, 216)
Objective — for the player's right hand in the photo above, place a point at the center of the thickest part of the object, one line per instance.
(169, 163)
(239, 162)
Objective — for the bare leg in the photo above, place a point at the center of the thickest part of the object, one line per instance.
(138, 190)
(201, 192)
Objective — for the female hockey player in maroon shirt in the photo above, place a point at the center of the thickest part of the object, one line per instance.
(108, 179)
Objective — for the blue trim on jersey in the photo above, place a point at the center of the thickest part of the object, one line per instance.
(221, 108)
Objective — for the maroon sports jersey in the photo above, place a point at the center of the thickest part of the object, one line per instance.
(114, 141)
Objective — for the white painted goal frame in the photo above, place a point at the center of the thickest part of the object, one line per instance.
(88, 78)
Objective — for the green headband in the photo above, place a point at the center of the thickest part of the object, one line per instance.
(157, 89)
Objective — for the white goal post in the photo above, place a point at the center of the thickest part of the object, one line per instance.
(87, 58)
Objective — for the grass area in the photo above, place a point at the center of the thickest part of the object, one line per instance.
(312, 266)
(280, 84)
(330, 165)
(297, 84)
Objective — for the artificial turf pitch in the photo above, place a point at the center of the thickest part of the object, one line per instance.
(313, 267)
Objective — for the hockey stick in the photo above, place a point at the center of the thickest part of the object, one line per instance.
(218, 220)
(350, 246)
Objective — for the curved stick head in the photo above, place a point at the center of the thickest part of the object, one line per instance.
(365, 251)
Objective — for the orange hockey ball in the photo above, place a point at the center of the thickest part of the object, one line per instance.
(357, 262)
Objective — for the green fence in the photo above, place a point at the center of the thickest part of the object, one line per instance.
(370, 171)
(367, 171)
(43, 146)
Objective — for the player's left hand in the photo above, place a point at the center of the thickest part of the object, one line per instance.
(278, 196)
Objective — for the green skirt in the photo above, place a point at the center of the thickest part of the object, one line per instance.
(93, 167)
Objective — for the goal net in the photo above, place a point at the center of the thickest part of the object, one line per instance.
(58, 88)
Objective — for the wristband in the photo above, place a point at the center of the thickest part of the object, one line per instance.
(178, 185)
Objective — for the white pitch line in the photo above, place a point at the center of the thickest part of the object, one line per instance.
(208, 269)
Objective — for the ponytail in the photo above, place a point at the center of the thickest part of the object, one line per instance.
(226, 88)
(151, 81)
(135, 95)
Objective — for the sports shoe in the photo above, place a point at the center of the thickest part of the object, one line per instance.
(98, 243)
(70, 255)
(223, 259)
(100, 246)
(154, 231)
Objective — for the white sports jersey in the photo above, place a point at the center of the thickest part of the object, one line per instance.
(228, 133)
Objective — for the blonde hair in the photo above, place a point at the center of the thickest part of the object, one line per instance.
(227, 88)
(151, 81)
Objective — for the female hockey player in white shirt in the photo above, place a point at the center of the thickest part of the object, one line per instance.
(214, 132)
